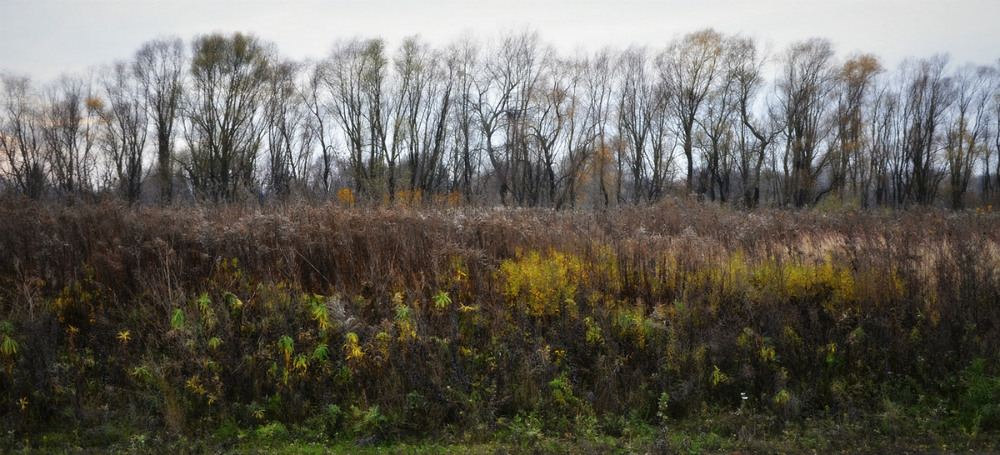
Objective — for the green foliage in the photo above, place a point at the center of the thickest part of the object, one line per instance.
(353, 352)
(9, 346)
(286, 346)
(367, 422)
(272, 433)
(562, 393)
(405, 324)
(663, 407)
(441, 300)
(782, 398)
(524, 430)
(979, 406)
(177, 319)
(321, 353)
(318, 310)
(232, 301)
(718, 377)
(143, 374)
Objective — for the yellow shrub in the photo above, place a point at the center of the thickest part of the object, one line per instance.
(345, 196)
(542, 285)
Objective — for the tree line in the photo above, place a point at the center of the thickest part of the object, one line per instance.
(508, 121)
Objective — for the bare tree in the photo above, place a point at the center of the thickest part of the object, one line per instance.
(287, 136)
(804, 90)
(590, 126)
(756, 134)
(928, 93)
(504, 90)
(636, 104)
(21, 138)
(721, 126)
(689, 68)
(228, 92)
(463, 63)
(882, 131)
(425, 84)
(317, 100)
(547, 124)
(159, 70)
(588, 97)
(855, 85)
(966, 136)
(69, 132)
(993, 152)
(124, 125)
(356, 75)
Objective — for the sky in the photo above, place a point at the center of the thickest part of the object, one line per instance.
(47, 38)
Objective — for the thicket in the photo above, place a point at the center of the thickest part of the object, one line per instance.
(381, 323)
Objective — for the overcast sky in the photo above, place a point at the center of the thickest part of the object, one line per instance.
(45, 38)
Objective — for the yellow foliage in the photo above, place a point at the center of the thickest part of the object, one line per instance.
(452, 199)
(352, 350)
(345, 196)
(382, 346)
(718, 377)
(94, 104)
(405, 325)
(593, 332)
(407, 198)
(542, 285)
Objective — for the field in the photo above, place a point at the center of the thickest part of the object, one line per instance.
(675, 327)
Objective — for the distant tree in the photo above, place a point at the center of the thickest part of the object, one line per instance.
(966, 137)
(510, 121)
(424, 86)
(588, 98)
(356, 75)
(124, 125)
(70, 134)
(884, 153)
(601, 78)
(994, 151)
(756, 134)
(636, 109)
(854, 88)
(288, 138)
(689, 68)
(507, 83)
(463, 63)
(21, 136)
(547, 123)
(318, 102)
(804, 90)
(720, 127)
(159, 71)
(229, 77)
(927, 94)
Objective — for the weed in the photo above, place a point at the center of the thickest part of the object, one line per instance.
(369, 323)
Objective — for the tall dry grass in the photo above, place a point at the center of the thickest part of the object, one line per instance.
(459, 318)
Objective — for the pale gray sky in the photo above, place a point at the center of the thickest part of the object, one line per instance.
(45, 38)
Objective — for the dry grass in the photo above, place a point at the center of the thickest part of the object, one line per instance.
(673, 308)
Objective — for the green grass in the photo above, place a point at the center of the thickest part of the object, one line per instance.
(715, 432)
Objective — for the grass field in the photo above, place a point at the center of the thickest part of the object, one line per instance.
(678, 327)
